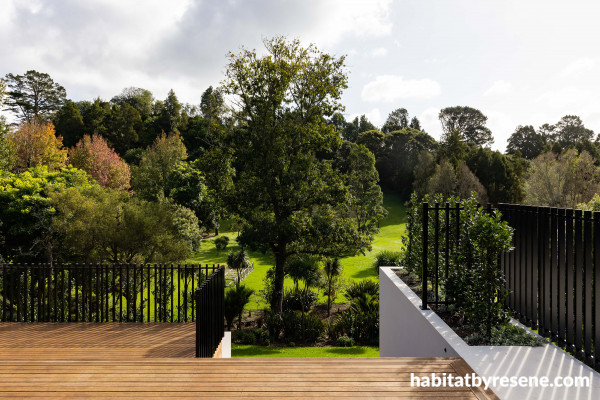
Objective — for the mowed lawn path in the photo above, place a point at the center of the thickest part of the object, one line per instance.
(355, 268)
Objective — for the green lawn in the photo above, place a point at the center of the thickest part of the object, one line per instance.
(355, 268)
(243, 350)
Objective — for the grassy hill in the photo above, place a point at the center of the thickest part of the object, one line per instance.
(355, 268)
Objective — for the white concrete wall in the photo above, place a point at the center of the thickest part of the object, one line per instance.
(404, 329)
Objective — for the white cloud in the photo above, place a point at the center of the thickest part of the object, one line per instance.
(499, 88)
(374, 116)
(578, 66)
(98, 48)
(430, 122)
(379, 52)
(389, 88)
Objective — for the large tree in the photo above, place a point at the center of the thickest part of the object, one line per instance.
(93, 155)
(470, 122)
(140, 99)
(34, 95)
(398, 119)
(150, 178)
(289, 196)
(526, 141)
(35, 144)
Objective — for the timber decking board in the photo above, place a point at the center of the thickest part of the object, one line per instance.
(155, 360)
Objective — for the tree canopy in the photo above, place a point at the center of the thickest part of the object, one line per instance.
(290, 197)
(33, 95)
(470, 122)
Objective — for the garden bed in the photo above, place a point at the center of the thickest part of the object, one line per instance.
(507, 335)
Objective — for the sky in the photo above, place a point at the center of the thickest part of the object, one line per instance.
(519, 62)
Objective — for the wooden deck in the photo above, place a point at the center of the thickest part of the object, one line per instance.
(156, 360)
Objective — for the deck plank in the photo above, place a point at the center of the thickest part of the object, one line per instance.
(128, 360)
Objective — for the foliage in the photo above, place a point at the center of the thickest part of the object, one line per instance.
(397, 155)
(361, 320)
(151, 177)
(474, 277)
(301, 327)
(68, 123)
(397, 120)
(35, 144)
(592, 205)
(361, 289)
(352, 130)
(33, 96)
(238, 261)
(387, 258)
(345, 341)
(236, 299)
(185, 186)
(140, 99)
(101, 224)
(288, 195)
(562, 181)
(299, 300)
(221, 243)
(501, 175)
(331, 282)
(470, 122)
(26, 211)
(487, 236)
(93, 155)
(7, 153)
(527, 142)
(506, 335)
(255, 336)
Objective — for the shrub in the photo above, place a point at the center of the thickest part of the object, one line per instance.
(345, 341)
(362, 327)
(273, 323)
(360, 288)
(301, 328)
(474, 278)
(387, 258)
(221, 242)
(361, 320)
(236, 299)
(298, 300)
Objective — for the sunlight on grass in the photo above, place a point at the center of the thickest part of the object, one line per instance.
(243, 350)
(355, 268)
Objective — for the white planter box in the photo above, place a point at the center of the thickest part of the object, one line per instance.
(405, 330)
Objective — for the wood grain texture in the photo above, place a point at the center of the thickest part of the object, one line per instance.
(130, 360)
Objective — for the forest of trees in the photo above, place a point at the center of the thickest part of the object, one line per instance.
(140, 179)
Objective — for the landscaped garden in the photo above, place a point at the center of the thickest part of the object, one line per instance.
(353, 269)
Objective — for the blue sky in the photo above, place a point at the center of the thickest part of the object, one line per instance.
(519, 62)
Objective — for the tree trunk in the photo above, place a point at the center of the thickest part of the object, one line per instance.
(277, 305)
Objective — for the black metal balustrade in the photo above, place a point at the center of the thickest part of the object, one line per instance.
(100, 292)
(552, 273)
(210, 320)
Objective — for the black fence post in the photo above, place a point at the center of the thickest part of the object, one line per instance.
(425, 252)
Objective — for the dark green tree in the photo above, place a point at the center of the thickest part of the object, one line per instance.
(353, 129)
(68, 123)
(570, 130)
(287, 193)
(33, 95)
(526, 141)
(470, 122)
(140, 99)
(415, 124)
(398, 119)
(125, 128)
